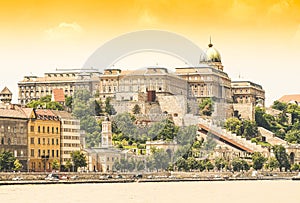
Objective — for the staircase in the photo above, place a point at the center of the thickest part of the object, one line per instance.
(237, 141)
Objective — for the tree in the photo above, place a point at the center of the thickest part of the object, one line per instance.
(161, 159)
(258, 160)
(279, 106)
(186, 135)
(192, 163)
(55, 164)
(249, 129)
(79, 159)
(220, 163)
(7, 160)
(108, 107)
(68, 165)
(295, 167)
(46, 103)
(209, 166)
(69, 102)
(239, 164)
(136, 109)
(282, 157)
(233, 125)
(181, 164)
(98, 108)
(210, 143)
(272, 164)
(17, 165)
(140, 165)
(206, 107)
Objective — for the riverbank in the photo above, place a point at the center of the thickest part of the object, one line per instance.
(85, 178)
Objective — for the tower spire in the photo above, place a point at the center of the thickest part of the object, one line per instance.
(210, 44)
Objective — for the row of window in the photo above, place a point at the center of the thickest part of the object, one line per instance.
(13, 141)
(43, 141)
(71, 130)
(12, 129)
(42, 153)
(44, 129)
(71, 122)
(71, 137)
(71, 145)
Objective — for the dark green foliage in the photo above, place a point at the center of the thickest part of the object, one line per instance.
(246, 128)
(46, 103)
(239, 164)
(98, 107)
(7, 160)
(282, 157)
(206, 107)
(258, 160)
(79, 159)
(109, 109)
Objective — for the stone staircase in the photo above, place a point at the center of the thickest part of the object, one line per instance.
(238, 141)
(270, 137)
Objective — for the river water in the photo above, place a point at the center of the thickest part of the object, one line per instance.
(186, 192)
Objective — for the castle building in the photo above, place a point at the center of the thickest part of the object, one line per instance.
(33, 87)
(208, 80)
(109, 83)
(151, 79)
(246, 96)
(248, 92)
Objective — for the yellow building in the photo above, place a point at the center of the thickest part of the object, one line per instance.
(43, 140)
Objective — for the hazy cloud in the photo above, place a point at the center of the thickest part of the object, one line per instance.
(63, 30)
(280, 7)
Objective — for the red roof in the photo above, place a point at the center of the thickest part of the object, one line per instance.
(290, 98)
(58, 95)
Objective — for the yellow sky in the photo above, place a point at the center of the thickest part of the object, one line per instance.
(253, 36)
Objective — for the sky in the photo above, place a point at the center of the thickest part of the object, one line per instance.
(258, 40)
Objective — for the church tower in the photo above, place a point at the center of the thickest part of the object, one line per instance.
(106, 139)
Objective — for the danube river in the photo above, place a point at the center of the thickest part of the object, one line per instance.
(186, 192)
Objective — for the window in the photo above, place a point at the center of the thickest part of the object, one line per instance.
(32, 152)
(39, 140)
(39, 153)
(2, 140)
(48, 152)
(56, 130)
(52, 130)
(52, 153)
(52, 141)
(57, 153)
(44, 141)
(22, 130)
(32, 140)
(43, 129)
(48, 143)
(39, 129)
(48, 129)
(56, 141)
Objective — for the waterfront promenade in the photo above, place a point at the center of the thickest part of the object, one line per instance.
(84, 178)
